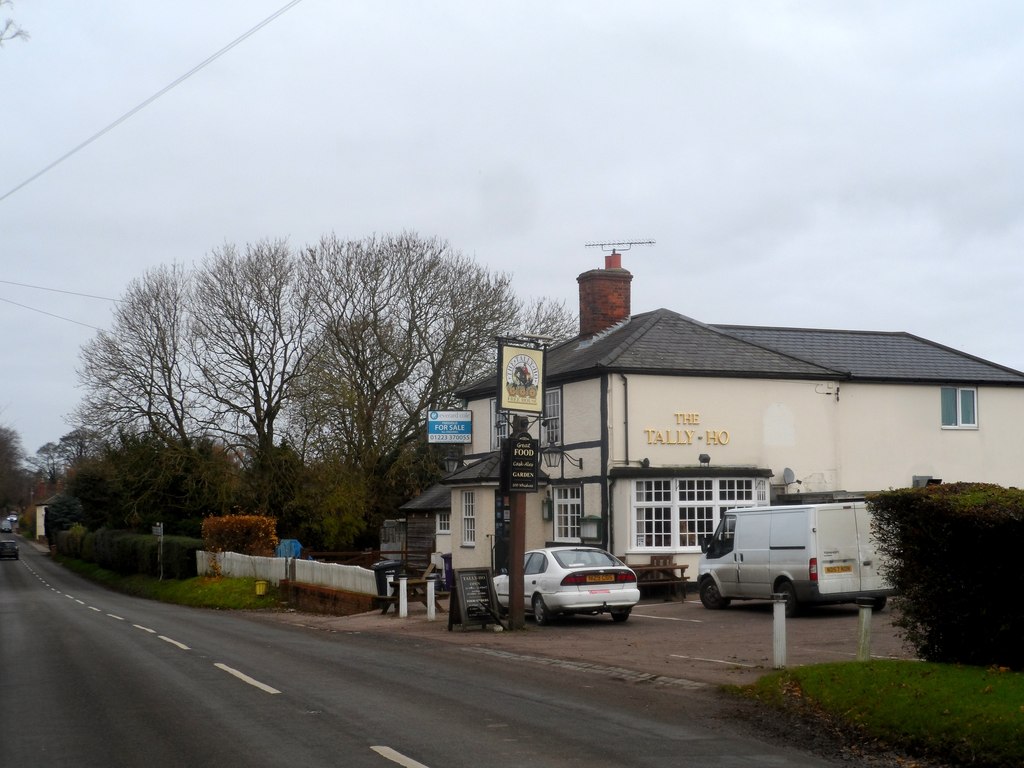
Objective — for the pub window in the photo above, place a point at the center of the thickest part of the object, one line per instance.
(468, 518)
(959, 408)
(568, 511)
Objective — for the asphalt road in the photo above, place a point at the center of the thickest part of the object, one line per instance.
(95, 678)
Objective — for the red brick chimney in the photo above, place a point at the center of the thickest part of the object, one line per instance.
(604, 296)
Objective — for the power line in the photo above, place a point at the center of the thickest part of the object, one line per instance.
(50, 314)
(152, 98)
(57, 290)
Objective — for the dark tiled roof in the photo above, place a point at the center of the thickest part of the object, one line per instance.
(879, 355)
(667, 343)
(437, 497)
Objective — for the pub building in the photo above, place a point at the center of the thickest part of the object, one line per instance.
(656, 423)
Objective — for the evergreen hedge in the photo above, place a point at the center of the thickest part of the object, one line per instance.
(953, 556)
(129, 553)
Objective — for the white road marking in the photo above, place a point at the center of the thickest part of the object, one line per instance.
(246, 679)
(397, 757)
(667, 618)
(144, 629)
(712, 661)
(94, 608)
(115, 616)
(174, 642)
(80, 602)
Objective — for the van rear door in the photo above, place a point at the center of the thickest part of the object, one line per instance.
(838, 549)
(868, 557)
(752, 530)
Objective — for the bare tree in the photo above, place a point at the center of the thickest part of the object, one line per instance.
(8, 29)
(250, 318)
(136, 377)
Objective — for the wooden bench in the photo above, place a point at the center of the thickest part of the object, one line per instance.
(662, 571)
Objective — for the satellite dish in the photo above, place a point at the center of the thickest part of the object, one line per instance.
(788, 476)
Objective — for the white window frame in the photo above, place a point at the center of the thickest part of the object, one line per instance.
(499, 425)
(673, 514)
(469, 518)
(444, 522)
(552, 416)
(961, 401)
(568, 511)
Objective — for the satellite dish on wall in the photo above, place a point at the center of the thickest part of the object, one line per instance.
(788, 476)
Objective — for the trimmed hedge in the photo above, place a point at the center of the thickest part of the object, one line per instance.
(129, 553)
(954, 559)
(245, 534)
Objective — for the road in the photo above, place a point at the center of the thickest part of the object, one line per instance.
(94, 678)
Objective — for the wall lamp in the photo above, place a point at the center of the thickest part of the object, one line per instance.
(704, 459)
(452, 460)
(555, 456)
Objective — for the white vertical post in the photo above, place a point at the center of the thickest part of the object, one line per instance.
(431, 580)
(403, 596)
(864, 629)
(779, 631)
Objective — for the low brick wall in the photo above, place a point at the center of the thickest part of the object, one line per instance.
(335, 602)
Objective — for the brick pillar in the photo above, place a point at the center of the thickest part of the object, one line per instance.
(604, 296)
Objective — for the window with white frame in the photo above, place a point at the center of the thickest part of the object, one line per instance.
(468, 518)
(675, 514)
(568, 511)
(552, 417)
(444, 521)
(499, 425)
(959, 407)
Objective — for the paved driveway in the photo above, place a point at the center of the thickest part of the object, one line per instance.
(674, 639)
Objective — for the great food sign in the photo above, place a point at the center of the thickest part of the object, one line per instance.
(450, 427)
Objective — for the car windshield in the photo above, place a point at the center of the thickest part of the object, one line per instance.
(584, 558)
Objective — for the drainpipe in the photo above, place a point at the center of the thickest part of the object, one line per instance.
(625, 412)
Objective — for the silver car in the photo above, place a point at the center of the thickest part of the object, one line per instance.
(573, 579)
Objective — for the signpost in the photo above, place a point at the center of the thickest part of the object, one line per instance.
(158, 531)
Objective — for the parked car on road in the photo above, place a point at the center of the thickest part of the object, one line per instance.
(9, 550)
(573, 579)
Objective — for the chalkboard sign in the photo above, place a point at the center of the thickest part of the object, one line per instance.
(473, 600)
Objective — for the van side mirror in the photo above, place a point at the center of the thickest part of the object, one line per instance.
(705, 544)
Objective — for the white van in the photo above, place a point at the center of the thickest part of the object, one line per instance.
(815, 553)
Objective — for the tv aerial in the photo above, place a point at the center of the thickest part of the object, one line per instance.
(620, 245)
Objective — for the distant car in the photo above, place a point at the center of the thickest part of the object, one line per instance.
(573, 579)
(9, 550)
(6, 526)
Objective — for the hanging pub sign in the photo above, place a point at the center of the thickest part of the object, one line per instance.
(519, 463)
(520, 378)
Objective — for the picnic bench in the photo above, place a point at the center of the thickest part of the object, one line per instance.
(416, 591)
(662, 572)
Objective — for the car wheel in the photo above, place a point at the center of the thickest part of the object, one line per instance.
(879, 603)
(541, 614)
(620, 615)
(788, 593)
(711, 597)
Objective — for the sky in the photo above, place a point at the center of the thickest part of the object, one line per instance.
(854, 165)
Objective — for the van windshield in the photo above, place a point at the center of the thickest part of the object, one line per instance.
(725, 535)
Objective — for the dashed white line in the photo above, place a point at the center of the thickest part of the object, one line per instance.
(246, 679)
(174, 642)
(397, 757)
(115, 616)
(144, 629)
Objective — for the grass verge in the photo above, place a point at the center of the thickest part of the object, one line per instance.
(964, 716)
(198, 592)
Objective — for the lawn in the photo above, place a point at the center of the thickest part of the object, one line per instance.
(967, 716)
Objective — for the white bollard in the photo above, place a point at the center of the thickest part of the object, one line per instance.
(431, 580)
(779, 631)
(403, 596)
(864, 629)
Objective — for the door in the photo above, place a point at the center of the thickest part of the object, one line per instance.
(752, 532)
(839, 554)
(868, 557)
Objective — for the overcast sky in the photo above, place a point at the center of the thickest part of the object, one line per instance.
(853, 165)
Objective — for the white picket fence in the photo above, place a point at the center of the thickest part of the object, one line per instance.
(350, 578)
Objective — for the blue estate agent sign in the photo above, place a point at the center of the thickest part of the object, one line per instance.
(450, 427)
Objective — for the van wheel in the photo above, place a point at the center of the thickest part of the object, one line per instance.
(879, 604)
(786, 589)
(710, 597)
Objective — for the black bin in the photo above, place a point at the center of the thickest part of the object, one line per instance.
(384, 571)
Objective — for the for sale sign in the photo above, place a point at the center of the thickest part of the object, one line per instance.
(450, 427)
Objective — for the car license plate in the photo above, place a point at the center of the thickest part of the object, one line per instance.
(839, 568)
(600, 578)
